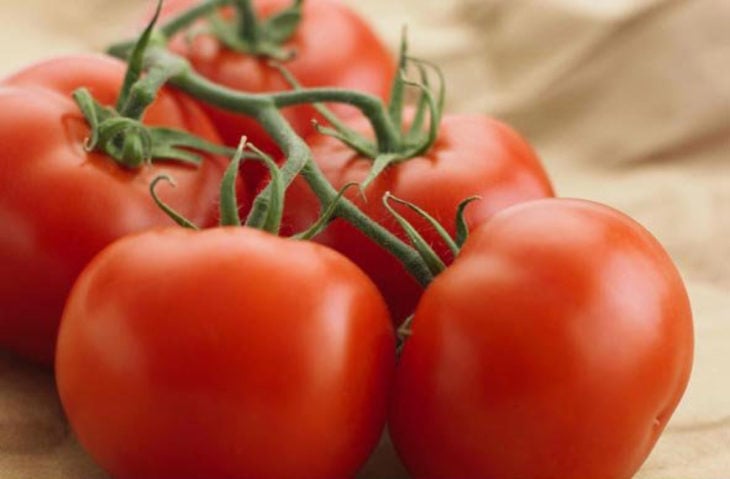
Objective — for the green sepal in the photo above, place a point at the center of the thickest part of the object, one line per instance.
(397, 92)
(325, 217)
(282, 26)
(228, 201)
(338, 128)
(132, 144)
(419, 141)
(248, 34)
(174, 215)
(94, 113)
(167, 143)
(272, 197)
(429, 256)
(380, 163)
(224, 30)
(404, 332)
(462, 228)
(423, 100)
(125, 140)
(450, 243)
(353, 140)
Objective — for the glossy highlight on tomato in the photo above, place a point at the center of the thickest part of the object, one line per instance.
(60, 204)
(225, 353)
(557, 345)
(473, 156)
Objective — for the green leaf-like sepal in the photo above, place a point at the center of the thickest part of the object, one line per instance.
(397, 91)
(462, 228)
(281, 27)
(272, 197)
(432, 260)
(325, 217)
(174, 215)
(229, 202)
(381, 162)
(433, 222)
(338, 129)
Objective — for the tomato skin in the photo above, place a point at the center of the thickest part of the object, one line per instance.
(61, 205)
(473, 155)
(557, 345)
(334, 48)
(226, 353)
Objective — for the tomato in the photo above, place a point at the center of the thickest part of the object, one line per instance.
(333, 45)
(473, 155)
(60, 205)
(557, 345)
(225, 353)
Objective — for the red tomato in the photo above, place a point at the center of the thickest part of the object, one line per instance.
(60, 205)
(226, 353)
(557, 345)
(333, 45)
(473, 155)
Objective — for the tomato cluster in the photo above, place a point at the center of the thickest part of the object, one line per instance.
(556, 342)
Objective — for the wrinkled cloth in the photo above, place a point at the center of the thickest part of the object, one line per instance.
(626, 101)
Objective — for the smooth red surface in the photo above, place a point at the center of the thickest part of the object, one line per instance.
(227, 353)
(473, 155)
(60, 205)
(556, 346)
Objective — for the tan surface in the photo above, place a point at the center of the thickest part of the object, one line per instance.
(628, 102)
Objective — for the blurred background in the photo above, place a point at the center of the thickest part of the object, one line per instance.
(626, 101)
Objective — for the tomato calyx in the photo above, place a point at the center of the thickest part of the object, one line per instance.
(131, 144)
(119, 131)
(247, 33)
(427, 253)
(243, 32)
(408, 136)
(270, 221)
(274, 195)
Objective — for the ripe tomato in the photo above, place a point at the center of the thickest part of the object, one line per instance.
(226, 353)
(473, 155)
(333, 45)
(60, 205)
(557, 345)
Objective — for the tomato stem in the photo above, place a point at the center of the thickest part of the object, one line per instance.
(386, 133)
(251, 104)
(144, 91)
(265, 109)
(186, 18)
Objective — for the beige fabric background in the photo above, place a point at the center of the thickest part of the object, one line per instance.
(628, 103)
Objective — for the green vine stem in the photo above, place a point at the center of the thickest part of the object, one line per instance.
(265, 109)
(119, 132)
(160, 62)
(246, 33)
(386, 134)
